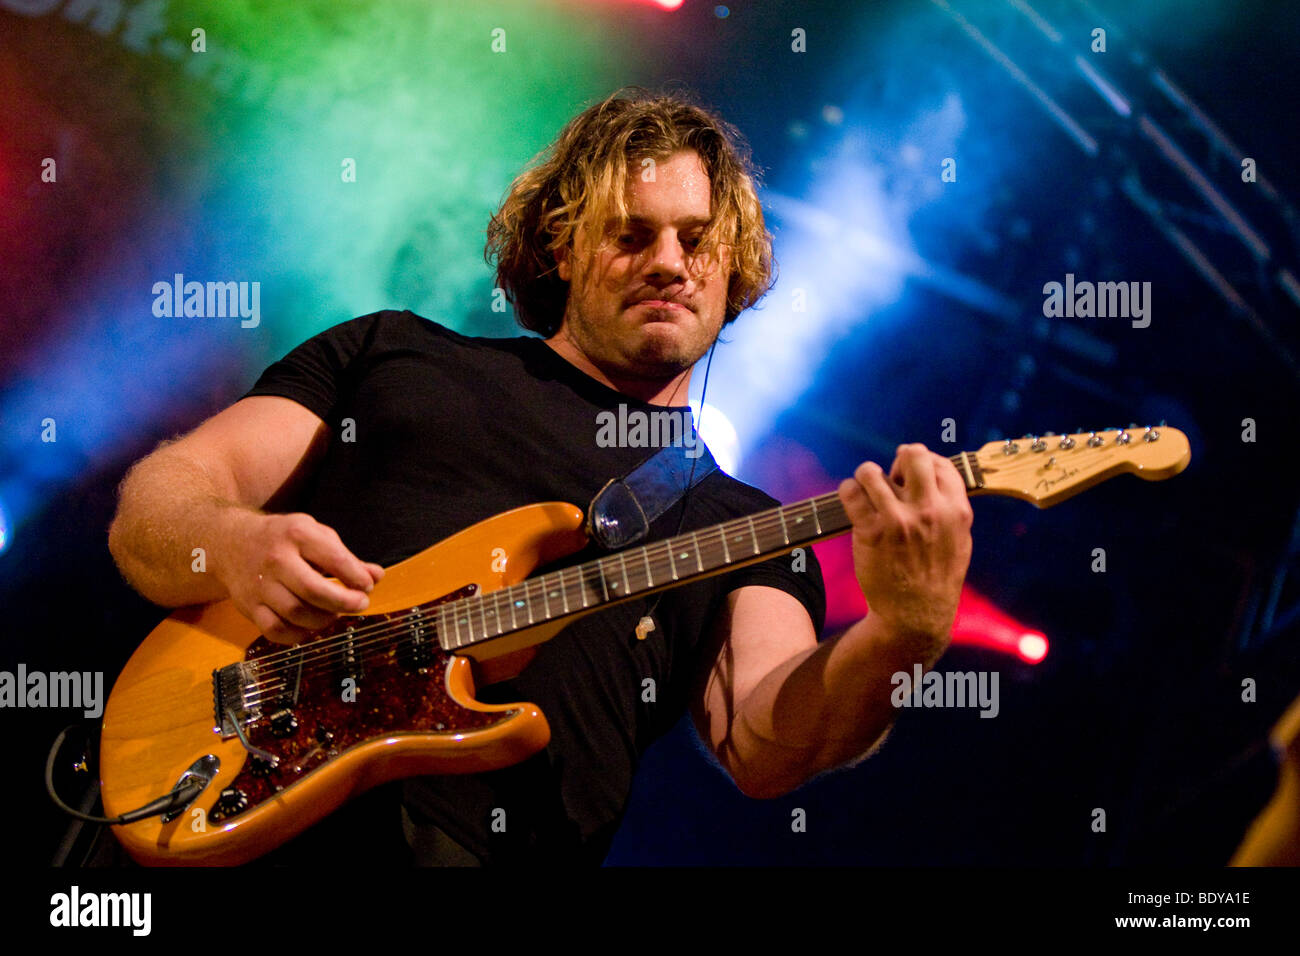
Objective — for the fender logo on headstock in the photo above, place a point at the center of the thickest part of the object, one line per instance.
(1047, 483)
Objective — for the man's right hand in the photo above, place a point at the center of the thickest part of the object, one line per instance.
(208, 489)
(275, 567)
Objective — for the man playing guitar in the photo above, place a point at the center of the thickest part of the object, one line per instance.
(628, 247)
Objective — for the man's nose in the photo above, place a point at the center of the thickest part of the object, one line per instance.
(667, 260)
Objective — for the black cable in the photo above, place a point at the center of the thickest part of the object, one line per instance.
(181, 795)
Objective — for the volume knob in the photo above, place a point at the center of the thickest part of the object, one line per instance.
(232, 801)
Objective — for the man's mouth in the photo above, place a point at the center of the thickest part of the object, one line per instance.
(662, 304)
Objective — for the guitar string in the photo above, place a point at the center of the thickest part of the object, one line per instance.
(333, 649)
(341, 645)
(338, 647)
(767, 520)
(657, 551)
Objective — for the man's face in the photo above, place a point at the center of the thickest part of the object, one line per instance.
(643, 304)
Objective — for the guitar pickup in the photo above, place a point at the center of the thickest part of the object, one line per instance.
(349, 664)
(418, 650)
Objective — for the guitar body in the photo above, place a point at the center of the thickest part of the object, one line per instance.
(337, 723)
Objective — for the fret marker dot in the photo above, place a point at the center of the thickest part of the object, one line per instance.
(519, 603)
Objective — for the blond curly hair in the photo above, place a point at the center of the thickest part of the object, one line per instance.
(580, 182)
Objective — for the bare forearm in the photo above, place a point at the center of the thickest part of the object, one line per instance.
(821, 709)
(166, 537)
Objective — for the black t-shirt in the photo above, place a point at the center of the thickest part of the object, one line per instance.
(447, 430)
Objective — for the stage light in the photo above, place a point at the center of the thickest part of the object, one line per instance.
(844, 248)
(980, 623)
(1032, 647)
(406, 231)
(719, 434)
(668, 5)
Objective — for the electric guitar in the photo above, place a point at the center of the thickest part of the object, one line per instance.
(265, 739)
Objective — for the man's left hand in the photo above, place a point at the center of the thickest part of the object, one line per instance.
(911, 543)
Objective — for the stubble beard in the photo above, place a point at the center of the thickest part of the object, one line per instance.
(657, 360)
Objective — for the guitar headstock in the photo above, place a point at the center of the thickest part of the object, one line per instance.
(1047, 469)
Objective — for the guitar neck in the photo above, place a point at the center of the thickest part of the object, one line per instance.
(638, 571)
(1042, 470)
(658, 566)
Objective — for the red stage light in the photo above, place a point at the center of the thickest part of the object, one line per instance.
(1032, 647)
(661, 4)
(982, 624)
(792, 473)
(979, 623)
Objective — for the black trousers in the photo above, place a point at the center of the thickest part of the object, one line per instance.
(432, 847)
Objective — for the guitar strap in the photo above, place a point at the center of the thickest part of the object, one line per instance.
(622, 511)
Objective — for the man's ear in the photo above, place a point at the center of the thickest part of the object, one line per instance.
(562, 268)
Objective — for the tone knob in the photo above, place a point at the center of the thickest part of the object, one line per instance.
(232, 801)
(259, 766)
(284, 723)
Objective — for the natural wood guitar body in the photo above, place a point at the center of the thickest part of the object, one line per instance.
(412, 712)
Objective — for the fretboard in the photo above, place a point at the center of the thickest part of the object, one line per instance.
(657, 566)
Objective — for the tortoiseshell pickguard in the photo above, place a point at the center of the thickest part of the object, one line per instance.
(397, 690)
